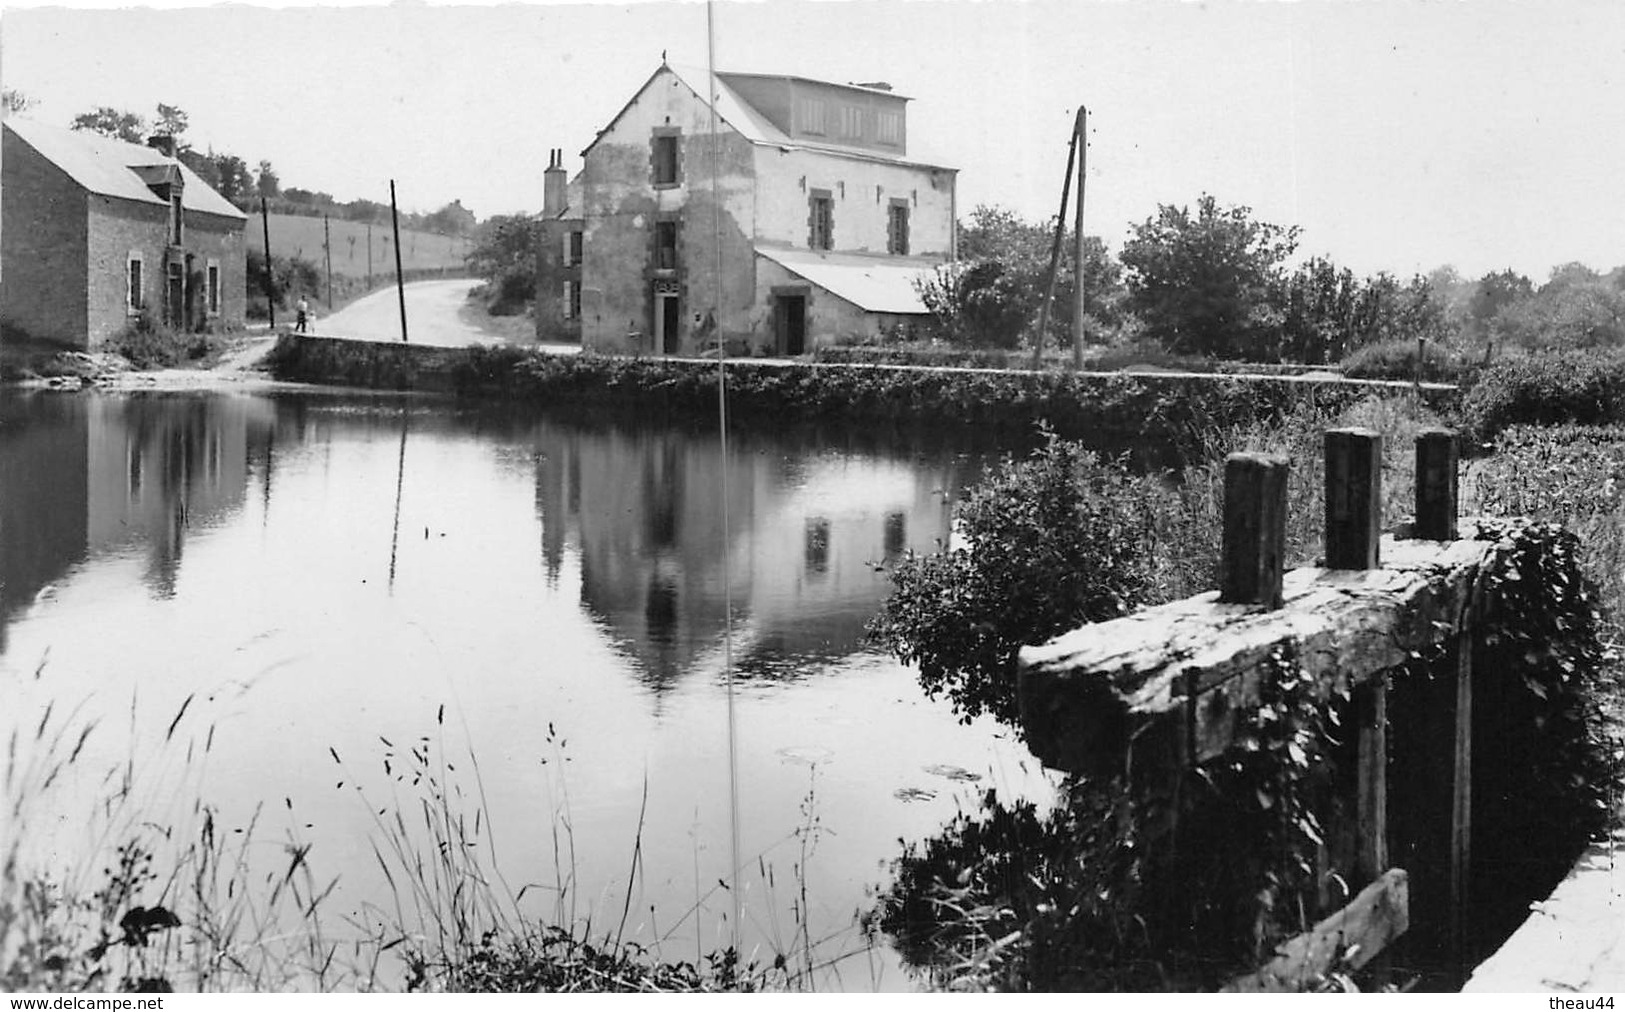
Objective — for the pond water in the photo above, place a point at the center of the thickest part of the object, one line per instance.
(267, 603)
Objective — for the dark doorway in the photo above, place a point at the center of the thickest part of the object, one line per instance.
(667, 322)
(175, 303)
(790, 314)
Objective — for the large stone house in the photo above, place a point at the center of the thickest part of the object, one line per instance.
(97, 233)
(794, 218)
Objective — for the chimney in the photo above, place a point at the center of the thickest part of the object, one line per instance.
(876, 85)
(163, 143)
(554, 181)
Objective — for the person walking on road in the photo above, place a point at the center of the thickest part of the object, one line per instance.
(302, 314)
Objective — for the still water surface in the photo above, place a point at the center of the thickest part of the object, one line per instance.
(537, 601)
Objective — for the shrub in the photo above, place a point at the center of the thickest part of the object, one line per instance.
(1585, 388)
(148, 344)
(1050, 542)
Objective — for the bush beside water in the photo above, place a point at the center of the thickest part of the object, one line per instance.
(980, 904)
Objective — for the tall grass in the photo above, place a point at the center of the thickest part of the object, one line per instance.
(148, 902)
(189, 902)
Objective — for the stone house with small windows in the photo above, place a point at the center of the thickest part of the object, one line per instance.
(782, 215)
(96, 234)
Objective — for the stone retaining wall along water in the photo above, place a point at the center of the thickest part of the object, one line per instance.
(1115, 408)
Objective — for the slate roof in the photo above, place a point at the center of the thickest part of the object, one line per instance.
(873, 284)
(114, 168)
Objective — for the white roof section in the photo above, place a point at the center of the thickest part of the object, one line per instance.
(754, 127)
(105, 166)
(873, 284)
(731, 109)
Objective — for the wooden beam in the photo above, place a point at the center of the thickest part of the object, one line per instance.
(1461, 808)
(1353, 498)
(1346, 940)
(1094, 689)
(1371, 715)
(1436, 484)
(1254, 529)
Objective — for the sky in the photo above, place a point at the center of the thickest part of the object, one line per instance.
(1399, 135)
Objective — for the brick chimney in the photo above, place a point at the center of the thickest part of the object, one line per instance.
(554, 181)
(164, 143)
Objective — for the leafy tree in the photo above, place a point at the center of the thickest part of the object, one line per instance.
(504, 254)
(202, 164)
(1050, 542)
(1202, 283)
(1576, 309)
(266, 183)
(366, 210)
(982, 303)
(114, 123)
(453, 219)
(233, 180)
(1327, 312)
(995, 297)
(14, 101)
(172, 122)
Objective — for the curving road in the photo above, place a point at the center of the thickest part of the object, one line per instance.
(436, 314)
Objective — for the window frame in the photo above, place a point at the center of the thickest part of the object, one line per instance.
(820, 199)
(897, 238)
(664, 141)
(666, 226)
(135, 283)
(211, 284)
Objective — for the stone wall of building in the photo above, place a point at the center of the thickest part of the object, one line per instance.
(861, 191)
(42, 280)
(711, 204)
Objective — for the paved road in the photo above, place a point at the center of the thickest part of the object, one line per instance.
(435, 315)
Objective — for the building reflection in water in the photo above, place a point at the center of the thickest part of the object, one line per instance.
(84, 475)
(644, 509)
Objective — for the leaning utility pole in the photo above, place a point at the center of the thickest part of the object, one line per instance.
(1078, 301)
(1055, 252)
(270, 282)
(400, 285)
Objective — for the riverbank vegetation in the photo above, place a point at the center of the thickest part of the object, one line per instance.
(216, 900)
(1088, 895)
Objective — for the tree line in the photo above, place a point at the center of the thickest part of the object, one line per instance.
(1217, 282)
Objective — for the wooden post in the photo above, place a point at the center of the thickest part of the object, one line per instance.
(1353, 498)
(369, 256)
(1461, 808)
(1055, 251)
(327, 252)
(1371, 717)
(1079, 292)
(270, 279)
(1254, 543)
(400, 285)
(1436, 484)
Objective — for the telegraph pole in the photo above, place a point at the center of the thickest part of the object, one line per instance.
(270, 283)
(1078, 294)
(327, 250)
(400, 285)
(1055, 250)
